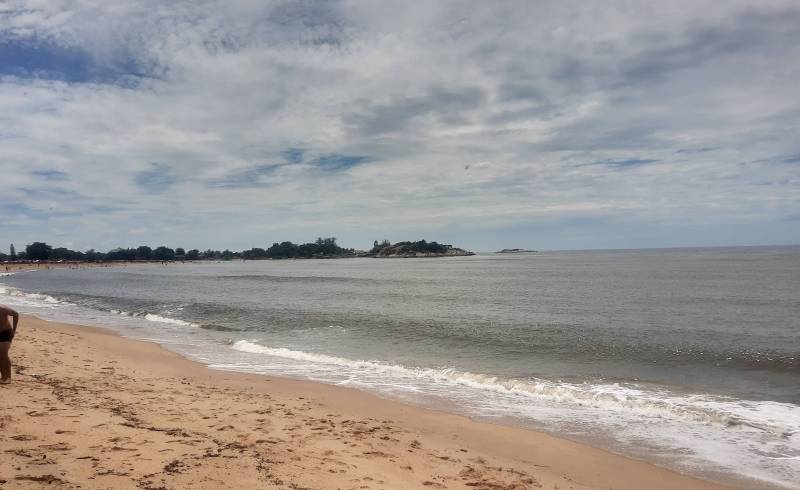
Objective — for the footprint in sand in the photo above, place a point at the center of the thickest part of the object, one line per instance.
(24, 437)
(49, 479)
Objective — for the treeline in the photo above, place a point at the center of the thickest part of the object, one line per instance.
(323, 247)
(387, 248)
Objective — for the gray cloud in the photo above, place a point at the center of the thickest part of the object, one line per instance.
(447, 105)
(518, 90)
(748, 32)
(257, 176)
(293, 119)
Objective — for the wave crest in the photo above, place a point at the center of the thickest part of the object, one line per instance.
(173, 321)
(35, 298)
(612, 396)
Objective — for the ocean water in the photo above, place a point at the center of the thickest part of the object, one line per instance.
(689, 358)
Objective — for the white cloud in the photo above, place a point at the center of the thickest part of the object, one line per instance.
(473, 116)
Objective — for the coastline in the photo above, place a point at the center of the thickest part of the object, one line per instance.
(16, 267)
(90, 408)
(13, 267)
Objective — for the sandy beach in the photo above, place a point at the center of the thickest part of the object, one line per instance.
(90, 409)
(12, 267)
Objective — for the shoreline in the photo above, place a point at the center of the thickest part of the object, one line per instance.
(18, 267)
(185, 424)
(15, 267)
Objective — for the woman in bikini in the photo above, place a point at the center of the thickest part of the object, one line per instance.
(7, 331)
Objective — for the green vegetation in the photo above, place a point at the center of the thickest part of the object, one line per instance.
(321, 248)
(418, 248)
(38, 251)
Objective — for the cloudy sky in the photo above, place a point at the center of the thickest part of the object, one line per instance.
(551, 125)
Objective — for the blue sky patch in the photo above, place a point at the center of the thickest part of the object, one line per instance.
(792, 159)
(52, 175)
(33, 59)
(102, 209)
(293, 155)
(251, 177)
(335, 161)
(631, 162)
(37, 59)
(694, 150)
(15, 208)
(157, 179)
(49, 193)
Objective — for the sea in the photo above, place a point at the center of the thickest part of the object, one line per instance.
(688, 358)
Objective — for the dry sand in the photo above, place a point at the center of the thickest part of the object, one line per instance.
(89, 409)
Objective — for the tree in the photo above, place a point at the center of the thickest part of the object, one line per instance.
(193, 254)
(378, 246)
(163, 253)
(254, 253)
(322, 247)
(180, 251)
(121, 254)
(62, 253)
(93, 256)
(38, 251)
(212, 254)
(144, 252)
(13, 254)
(283, 250)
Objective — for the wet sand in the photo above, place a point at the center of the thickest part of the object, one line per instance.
(89, 409)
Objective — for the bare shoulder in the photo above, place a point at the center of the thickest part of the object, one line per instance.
(5, 310)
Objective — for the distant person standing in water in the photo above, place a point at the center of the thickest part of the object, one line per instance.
(7, 331)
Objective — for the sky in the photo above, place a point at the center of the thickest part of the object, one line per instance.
(531, 124)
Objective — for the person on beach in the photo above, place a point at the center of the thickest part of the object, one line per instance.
(7, 332)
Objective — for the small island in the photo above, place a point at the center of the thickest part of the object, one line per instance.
(515, 251)
(421, 248)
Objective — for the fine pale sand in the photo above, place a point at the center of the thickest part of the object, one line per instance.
(89, 409)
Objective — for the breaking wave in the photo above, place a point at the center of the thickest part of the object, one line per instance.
(615, 397)
(36, 299)
(45, 300)
(163, 319)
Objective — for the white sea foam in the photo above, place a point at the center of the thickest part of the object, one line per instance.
(163, 319)
(38, 300)
(777, 418)
(755, 439)
(123, 313)
(33, 299)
